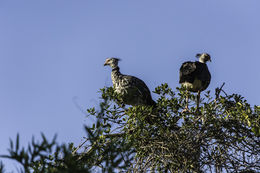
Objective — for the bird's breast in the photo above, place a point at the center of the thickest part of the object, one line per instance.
(194, 87)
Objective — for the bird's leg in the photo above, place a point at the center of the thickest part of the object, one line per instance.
(186, 109)
(187, 100)
(198, 100)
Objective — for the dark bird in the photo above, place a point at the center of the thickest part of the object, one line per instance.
(195, 76)
(133, 90)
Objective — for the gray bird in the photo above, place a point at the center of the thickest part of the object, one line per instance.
(195, 76)
(133, 90)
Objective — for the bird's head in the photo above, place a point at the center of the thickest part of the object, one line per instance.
(204, 57)
(112, 62)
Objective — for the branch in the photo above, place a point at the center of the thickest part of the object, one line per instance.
(218, 90)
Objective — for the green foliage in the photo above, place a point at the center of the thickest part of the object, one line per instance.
(221, 136)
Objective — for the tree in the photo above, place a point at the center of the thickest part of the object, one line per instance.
(222, 136)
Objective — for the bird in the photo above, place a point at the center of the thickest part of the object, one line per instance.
(132, 89)
(195, 76)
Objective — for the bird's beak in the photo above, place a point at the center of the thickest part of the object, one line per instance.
(106, 63)
(209, 60)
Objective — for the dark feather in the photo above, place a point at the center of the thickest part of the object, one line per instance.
(187, 72)
(190, 71)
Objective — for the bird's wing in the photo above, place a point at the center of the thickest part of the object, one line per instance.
(138, 84)
(187, 71)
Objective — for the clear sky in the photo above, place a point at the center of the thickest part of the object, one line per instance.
(53, 50)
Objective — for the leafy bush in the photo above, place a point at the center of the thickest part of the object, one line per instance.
(221, 136)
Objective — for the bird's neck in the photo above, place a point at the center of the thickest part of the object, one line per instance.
(115, 74)
(201, 60)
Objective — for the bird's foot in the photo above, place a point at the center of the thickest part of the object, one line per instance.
(185, 110)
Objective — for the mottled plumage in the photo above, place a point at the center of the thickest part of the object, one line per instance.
(133, 90)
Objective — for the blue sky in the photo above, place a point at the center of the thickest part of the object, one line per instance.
(52, 51)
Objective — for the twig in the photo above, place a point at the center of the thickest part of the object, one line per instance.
(218, 90)
(106, 136)
(79, 146)
(114, 135)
